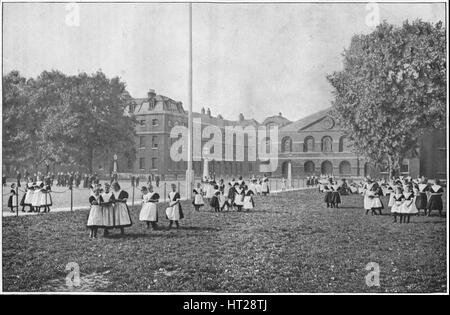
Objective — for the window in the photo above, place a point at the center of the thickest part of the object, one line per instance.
(155, 122)
(142, 122)
(405, 167)
(250, 167)
(154, 142)
(342, 144)
(309, 144)
(286, 145)
(142, 163)
(141, 142)
(154, 163)
(327, 144)
(129, 163)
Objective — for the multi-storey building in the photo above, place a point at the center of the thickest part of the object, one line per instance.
(312, 145)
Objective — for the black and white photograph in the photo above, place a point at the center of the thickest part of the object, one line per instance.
(224, 148)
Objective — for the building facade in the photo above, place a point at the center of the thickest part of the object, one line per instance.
(313, 145)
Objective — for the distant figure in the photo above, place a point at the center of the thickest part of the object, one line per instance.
(18, 177)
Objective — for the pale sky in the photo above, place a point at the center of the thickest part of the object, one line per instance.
(258, 59)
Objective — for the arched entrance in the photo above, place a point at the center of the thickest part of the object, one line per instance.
(327, 168)
(309, 167)
(345, 168)
(284, 169)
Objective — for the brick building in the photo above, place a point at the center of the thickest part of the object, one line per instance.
(312, 145)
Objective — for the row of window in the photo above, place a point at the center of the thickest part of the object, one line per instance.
(309, 145)
(155, 122)
(142, 143)
(327, 167)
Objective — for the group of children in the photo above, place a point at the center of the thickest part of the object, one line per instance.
(406, 197)
(109, 209)
(332, 193)
(236, 195)
(37, 197)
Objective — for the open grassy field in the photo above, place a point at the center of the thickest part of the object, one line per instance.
(290, 243)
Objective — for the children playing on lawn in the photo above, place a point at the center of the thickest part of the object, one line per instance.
(149, 210)
(174, 212)
(95, 218)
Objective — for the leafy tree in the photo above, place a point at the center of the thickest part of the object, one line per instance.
(67, 119)
(391, 89)
(15, 131)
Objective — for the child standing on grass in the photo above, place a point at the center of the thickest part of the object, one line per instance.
(375, 194)
(328, 192)
(149, 210)
(421, 195)
(46, 198)
(95, 218)
(174, 212)
(239, 197)
(12, 201)
(409, 204)
(335, 195)
(398, 199)
(248, 199)
(214, 203)
(435, 201)
(198, 198)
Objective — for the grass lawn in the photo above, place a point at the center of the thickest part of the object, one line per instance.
(290, 243)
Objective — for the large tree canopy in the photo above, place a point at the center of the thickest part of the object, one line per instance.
(65, 119)
(391, 89)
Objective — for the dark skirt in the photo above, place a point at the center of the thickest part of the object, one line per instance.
(214, 202)
(22, 201)
(335, 197)
(10, 201)
(435, 203)
(328, 197)
(421, 201)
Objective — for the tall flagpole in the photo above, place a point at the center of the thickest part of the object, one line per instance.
(189, 173)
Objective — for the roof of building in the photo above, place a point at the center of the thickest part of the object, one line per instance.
(306, 121)
(277, 119)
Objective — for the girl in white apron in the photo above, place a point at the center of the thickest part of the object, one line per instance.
(122, 218)
(238, 197)
(107, 205)
(248, 199)
(95, 218)
(396, 209)
(174, 212)
(149, 210)
(198, 201)
(409, 205)
(37, 196)
(28, 198)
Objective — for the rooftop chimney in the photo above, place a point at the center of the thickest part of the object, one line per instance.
(151, 93)
(241, 117)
